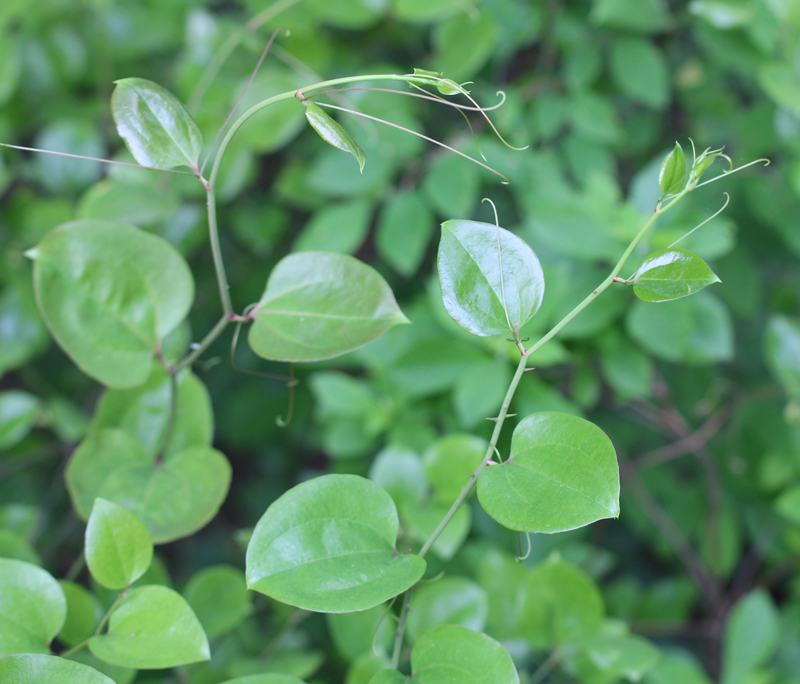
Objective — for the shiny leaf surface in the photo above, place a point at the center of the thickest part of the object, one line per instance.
(332, 133)
(28, 668)
(671, 274)
(673, 171)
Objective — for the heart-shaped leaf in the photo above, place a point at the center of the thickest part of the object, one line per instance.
(28, 668)
(318, 305)
(155, 126)
(333, 134)
(562, 473)
(110, 293)
(32, 608)
(328, 545)
(670, 274)
(152, 628)
(118, 546)
(173, 498)
(480, 295)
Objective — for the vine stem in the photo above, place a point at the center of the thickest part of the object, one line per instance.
(123, 595)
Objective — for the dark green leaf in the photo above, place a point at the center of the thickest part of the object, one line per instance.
(155, 126)
(34, 669)
(478, 295)
(673, 171)
(318, 305)
(332, 133)
(671, 274)
(562, 473)
(152, 628)
(18, 413)
(218, 596)
(752, 634)
(328, 545)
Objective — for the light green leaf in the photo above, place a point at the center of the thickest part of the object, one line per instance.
(14, 546)
(84, 612)
(332, 133)
(404, 230)
(218, 596)
(751, 636)
(673, 171)
(32, 608)
(671, 274)
(450, 461)
(18, 413)
(318, 305)
(338, 227)
(32, 669)
(787, 505)
(388, 676)
(328, 545)
(118, 546)
(782, 352)
(608, 658)
(676, 668)
(108, 316)
(479, 391)
(562, 473)
(478, 295)
(400, 473)
(173, 498)
(423, 519)
(120, 675)
(724, 14)
(152, 628)
(155, 126)
(355, 633)
(450, 600)
(641, 16)
(266, 678)
(640, 71)
(464, 43)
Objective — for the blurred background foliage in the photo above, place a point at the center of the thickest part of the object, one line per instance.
(701, 396)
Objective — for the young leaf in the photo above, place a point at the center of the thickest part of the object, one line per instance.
(152, 628)
(109, 294)
(27, 668)
(673, 171)
(480, 296)
(333, 134)
(318, 305)
(118, 546)
(155, 126)
(304, 549)
(562, 473)
(671, 274)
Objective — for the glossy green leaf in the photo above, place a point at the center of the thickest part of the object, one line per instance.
(673, 171)
(328, 545)
(118, 546)
(84, 612)
(152, 628)
(562, 473)
(31, 668)
(561, 605)
(172, 498)
(109, 317)
(155, 126)
(447, 601)
(450, 461)
(32, 608)
(18, 413)
(332, 133)
(782, 352)
(752, 635)
(218, 596)
(671, 274)
(480, 296)
(318, 305)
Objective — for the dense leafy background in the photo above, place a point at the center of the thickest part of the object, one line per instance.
(700, 396)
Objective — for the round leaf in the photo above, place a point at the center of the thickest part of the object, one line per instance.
(671, 274)
(333, 134)
(155, 126)
(318, 305)
(452, 654)
(562, 473)
(109, 294)
(450, 600)
(172, 498)
(218, 596)
(480, 297)
(32, 608)
(118, 546)
(328, 545)
(29, 668)
(152, 628)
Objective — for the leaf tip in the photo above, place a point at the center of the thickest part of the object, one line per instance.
(33, 254)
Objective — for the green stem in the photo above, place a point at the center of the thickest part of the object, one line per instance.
(216, 250)
(76, 567)
(171, 417)
(216, 331)
(401, 628)
(99, 629)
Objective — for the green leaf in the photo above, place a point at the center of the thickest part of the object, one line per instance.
(400, 473)
(173, 498)
(608, 658)
(782, 352)
(404, 230)
(333, 134)
(671, 274)
(118, 546)
(450, 600)
(787, 505)
(318, 305)
(752, 634)
(388, 676)
(22, 333)
(421, 520)
(155, 126)
(449, 462)
(30, 668)
(673, 171)
(452, 654)
(120, 675)
(355, 633)
(337, 227)
(108, 316)
(328, 545)
(18, 413)
(463, 44)
(32, 609)
(266, 678)
(218, 596)
(478, 295)
(152, 628)
(641, 16)
(84, 612)
(640, 71)
(562, 605)
(479, 391)
(562, 473)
